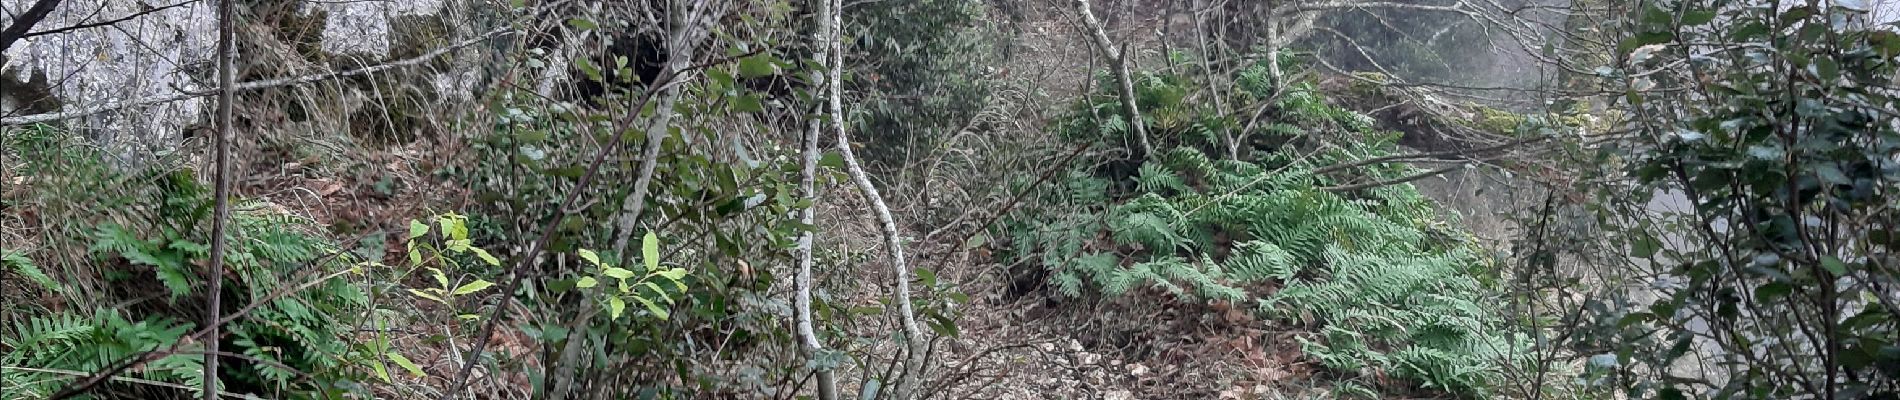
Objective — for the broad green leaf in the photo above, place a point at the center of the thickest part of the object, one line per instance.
(926, 277)
(417, 229)
(617, 272)
(382, 372)
(486, 258)
(590, 256)
(615, 306)
(473, 287)
(1645, 247)
(976, 241)
(652, 307)
(440, 279)
(747, 104)
(587, 67)
(453, 226)
(650, 250)
(586, 282)
(1693, 18)
(415, 256)
(426, 295)
(406, 364)
(458, 245)
(582, 24)
(673, 273)
(756, 66)
(1834, 265)
(656, 290)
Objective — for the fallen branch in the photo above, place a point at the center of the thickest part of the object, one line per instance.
(249, 86)
(1448, 153)
(1396, 181)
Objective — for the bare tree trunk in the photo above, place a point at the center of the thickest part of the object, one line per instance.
(808, 173)
(221, 200)
(913, 335)
(682, 38)
(1118, 59)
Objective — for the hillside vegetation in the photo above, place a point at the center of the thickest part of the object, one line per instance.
(946, 199)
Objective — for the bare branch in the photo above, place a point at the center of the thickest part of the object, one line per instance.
(110, 22)
(249, 86)
(24, 23)
(1396, 181)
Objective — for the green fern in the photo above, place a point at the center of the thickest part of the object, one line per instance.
(17, 263)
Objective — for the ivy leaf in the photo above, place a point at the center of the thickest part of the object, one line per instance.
(650, 250)
(417, 229)
(586, 282)
(453, 226)
(473, 287)
(406, 364)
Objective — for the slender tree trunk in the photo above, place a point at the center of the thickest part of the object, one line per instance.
(1118, 59)
(808, 173)
(913, 335)
(681, 40)
(221, 200)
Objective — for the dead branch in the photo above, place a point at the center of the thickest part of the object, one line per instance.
(1396, 181)
(249, 86)
(24, 23)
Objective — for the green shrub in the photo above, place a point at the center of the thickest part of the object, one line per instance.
(1372, 272)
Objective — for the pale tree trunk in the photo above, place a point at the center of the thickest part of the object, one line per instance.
(913, 359)
(682, 37)
(808, 173)
(221, 202)
(1118, 59)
